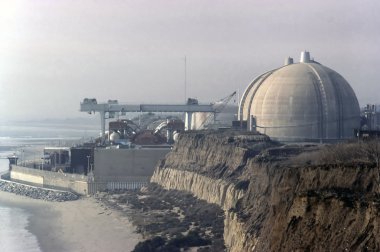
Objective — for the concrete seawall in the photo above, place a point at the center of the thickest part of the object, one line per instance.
(75, 183)
(36, 192)
(70, 182)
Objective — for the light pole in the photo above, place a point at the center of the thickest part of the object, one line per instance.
(55, 161)
(90, 175)
(23, 156)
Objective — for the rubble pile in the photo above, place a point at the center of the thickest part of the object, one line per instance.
(36, 192)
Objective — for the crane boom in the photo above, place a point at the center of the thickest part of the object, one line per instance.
(218, 108)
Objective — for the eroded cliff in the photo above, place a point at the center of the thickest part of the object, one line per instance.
(280, 198)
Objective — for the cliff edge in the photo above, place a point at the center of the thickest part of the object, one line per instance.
(281, 197)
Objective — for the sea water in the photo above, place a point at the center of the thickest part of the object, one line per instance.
(14, 236)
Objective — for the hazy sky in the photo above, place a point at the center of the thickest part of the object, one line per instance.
(54, 53)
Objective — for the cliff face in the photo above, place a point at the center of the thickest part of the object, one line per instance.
(270, 203)
(316, 208)
(216, 155)
(212, 190)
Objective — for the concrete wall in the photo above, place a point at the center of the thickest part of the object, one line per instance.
(72, 182)
(114, 164)
(20, 176)
(113, 169)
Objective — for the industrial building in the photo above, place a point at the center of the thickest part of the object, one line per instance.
(371, 117)
(303, 101)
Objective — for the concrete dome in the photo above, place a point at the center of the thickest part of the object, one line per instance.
(303, 101)
(114, 137)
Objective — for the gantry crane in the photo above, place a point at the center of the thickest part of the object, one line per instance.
(112, 107)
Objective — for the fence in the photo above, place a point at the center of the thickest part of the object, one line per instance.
(94, 187)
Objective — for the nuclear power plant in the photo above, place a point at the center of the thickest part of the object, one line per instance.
(300, 102)
(304, 101)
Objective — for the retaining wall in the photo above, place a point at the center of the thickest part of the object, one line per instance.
(71, 182)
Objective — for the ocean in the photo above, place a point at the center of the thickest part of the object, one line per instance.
(18, 139)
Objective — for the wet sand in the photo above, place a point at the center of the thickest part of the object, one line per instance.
(81, 225)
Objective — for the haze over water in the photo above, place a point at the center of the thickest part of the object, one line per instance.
(14, 139)
(14, 222)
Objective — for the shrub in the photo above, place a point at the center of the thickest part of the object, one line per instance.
(190, 240)
(151, 245)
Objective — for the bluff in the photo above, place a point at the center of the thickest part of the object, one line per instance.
(281, 197)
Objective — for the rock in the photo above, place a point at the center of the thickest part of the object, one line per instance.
(36, 192)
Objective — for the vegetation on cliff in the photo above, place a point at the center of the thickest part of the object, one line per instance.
(323, 200)
(308, 197)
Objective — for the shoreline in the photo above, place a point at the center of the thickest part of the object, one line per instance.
(80, 225)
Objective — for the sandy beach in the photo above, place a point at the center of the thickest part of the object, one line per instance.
(81, 225)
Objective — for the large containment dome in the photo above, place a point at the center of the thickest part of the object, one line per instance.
(301, 102)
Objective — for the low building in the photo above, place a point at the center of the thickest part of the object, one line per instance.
(126, 164)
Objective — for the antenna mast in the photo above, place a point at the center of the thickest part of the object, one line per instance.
(185, 80)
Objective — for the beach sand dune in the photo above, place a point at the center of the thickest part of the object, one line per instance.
(81, 225)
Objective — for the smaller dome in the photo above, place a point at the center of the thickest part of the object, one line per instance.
(114, 137)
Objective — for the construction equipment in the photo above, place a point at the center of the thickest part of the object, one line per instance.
(218, 108)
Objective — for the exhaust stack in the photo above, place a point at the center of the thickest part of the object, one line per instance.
(288, 61)
(305, 57)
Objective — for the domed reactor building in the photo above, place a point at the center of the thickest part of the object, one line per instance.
(303, 101)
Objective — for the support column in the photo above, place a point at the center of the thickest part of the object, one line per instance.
(188, 120)
(103, 123)
(252, 123)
